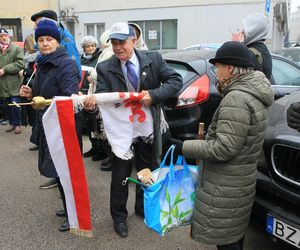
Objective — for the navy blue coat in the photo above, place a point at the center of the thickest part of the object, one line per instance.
(57, 75)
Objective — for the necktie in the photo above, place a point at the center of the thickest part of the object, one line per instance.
(131, 75)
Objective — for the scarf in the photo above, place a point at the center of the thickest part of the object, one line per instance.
(86, 56)
(4, 46)
(41, 59)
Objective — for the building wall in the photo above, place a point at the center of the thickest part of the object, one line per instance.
(294, 36)
(100, 5)
(23, 9)
(196, 24)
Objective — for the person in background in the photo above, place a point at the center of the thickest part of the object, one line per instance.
(89, 58)
(151, 76)
(226, 189)
(11, 62)
(140, 43)
(56, 75)
(107, 52)
(28, 114)
(67, 41)
(105, 46)
(255, 30)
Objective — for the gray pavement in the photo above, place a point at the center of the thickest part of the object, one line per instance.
(28, 220)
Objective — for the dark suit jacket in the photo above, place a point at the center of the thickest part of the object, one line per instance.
(156, 76)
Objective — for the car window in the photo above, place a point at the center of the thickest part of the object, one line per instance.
(285, 73)
(179, 68)
(293, 55)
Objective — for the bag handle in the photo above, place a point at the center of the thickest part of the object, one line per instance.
(171, 149)
(181, 161)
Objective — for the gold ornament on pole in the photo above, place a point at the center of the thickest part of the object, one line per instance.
(38, 102)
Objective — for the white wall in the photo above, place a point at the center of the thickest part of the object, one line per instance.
(295, 27)
(196, 24)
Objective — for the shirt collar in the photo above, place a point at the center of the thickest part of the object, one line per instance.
(133, 59)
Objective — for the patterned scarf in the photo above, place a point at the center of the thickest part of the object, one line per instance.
(221, 85)
(226, 82)
(4, 46)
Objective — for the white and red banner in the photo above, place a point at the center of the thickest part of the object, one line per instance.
(60, 131)
(124, 119)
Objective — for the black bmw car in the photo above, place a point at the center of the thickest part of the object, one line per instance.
(277, 201)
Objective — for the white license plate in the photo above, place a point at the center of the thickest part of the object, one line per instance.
(283, 231)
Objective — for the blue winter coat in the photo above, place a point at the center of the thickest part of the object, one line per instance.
(68, 42)
(57, 75)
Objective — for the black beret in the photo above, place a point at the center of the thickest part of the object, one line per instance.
(44, 13)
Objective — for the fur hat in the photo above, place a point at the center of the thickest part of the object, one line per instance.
(233, 53)
(44, 13)
(88, 39)
(47, 28)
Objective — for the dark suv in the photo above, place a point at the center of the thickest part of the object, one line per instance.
(277, 201)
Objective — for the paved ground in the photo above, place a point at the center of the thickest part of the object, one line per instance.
(27, 214)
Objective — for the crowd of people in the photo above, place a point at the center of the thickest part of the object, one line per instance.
(51, 66)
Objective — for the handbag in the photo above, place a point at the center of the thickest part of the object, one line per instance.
(169, 201)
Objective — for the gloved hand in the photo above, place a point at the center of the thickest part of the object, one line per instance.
(178, 146)
(293, 116)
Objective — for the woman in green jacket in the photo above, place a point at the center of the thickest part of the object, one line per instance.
(231, 149)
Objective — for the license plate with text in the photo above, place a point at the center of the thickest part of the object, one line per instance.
(283, 231)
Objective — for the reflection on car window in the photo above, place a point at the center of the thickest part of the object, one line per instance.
(285, 73)
(179, 68)
(293, 55)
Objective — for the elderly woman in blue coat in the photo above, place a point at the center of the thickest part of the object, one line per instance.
(56, 75)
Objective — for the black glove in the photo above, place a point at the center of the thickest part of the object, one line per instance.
(293, 116)
(178, 146)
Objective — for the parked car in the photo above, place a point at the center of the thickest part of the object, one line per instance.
(199, 98)
(292, 54)
(204, 46)
(277, 202)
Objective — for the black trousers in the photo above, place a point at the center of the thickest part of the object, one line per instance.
(233, 246)
(62, 194)
(122, 169)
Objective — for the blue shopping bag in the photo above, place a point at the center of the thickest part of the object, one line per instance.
(169, 201)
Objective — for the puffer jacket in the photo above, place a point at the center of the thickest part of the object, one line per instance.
(226, 190)
(12, 62)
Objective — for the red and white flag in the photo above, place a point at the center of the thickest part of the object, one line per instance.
(124, 119)
(59, 126)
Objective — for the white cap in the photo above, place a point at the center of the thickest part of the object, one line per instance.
(121, 31)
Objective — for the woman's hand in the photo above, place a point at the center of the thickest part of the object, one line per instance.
(26, 91)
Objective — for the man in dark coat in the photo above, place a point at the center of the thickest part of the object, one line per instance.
(146, 73)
